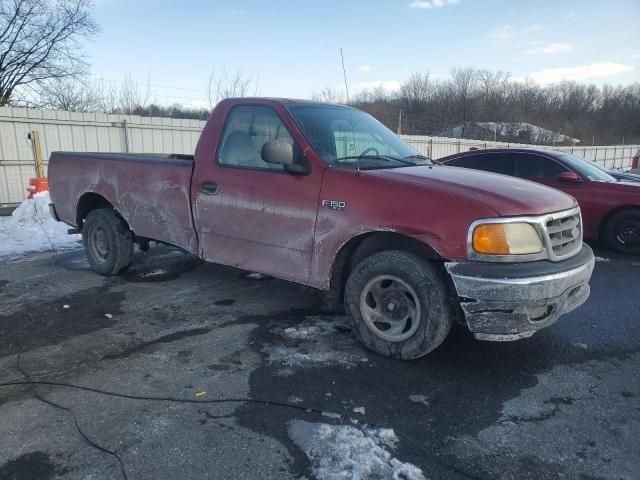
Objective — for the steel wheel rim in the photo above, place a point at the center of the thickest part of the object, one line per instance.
(390, 308)
(99, 244)
(628, 232)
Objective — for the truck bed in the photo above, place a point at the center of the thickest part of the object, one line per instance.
(151, 192)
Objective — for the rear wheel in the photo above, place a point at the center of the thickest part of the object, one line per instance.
(399, 304)
(622, 231)
(108, 241)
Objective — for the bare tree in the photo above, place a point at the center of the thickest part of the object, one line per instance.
(464, 81)
(328, 95)
(70, 95)
(415, 91)
(131, 96)
(225, 84)
(40, 41)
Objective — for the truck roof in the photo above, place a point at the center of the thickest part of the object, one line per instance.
(276, 100)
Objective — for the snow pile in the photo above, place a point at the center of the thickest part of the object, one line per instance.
(32, 229)
(344, 452)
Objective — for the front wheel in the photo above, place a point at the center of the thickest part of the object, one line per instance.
(399, 303)
(622, 231)
(108, 241)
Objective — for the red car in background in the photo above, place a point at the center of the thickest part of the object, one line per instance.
(610, 207)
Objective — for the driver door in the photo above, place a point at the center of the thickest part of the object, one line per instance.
(252, 214)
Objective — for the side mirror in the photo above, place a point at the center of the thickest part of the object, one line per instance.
(569, 177)
(278, 152)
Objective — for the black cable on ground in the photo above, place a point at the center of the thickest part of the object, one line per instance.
(86, 438)
(267, 403)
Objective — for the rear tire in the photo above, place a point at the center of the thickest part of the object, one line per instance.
(399, 303)
(621, 232)
(108, 241)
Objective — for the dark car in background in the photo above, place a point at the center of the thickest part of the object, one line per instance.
(619, 175)
(610, 207)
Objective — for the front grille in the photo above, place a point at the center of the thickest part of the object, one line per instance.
(565, 234)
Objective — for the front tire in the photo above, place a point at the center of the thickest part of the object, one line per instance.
(108, 242)
(622, 231)
(399, 303)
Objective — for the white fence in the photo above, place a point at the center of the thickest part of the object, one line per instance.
(101, 132)
(615, 157)
(82, 132)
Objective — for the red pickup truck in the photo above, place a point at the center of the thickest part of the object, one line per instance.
(326, 196)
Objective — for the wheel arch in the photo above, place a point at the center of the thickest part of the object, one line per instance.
(366, 244)
(611, 213)
(89, 201)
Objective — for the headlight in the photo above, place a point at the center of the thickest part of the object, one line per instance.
(506, 239)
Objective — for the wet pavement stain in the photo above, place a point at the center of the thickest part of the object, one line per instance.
(75, 261)
(50, 323)
(32, 466)
(466, 382)
(172, 337)
(225, 302)
(162, 266)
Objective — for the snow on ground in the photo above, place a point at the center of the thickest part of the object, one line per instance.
(340, 452)
(315, 341)
(30, 228)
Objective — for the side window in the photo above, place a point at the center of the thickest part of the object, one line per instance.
(489, 162)
(536, 167)
(247, 129)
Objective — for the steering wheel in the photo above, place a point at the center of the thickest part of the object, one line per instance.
(368, 150)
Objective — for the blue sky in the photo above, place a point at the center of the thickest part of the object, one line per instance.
(293, 45)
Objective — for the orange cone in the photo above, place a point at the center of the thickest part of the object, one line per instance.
(37, 185)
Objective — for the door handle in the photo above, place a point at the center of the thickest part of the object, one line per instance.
(209, 188)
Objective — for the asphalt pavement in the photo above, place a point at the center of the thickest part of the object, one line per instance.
(253, 356)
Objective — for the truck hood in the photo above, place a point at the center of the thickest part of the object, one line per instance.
(507, 196)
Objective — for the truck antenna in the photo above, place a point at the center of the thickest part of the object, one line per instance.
(346, 88)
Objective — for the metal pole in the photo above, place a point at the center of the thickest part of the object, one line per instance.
(126, 135)
(400, 122)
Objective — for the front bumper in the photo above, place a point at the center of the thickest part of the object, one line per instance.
(503, 302)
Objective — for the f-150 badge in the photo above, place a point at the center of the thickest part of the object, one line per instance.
(334, 204)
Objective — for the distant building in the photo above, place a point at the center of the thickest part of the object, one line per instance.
(520, 132)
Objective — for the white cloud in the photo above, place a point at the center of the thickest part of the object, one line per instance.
(501, 33)
(579, 73)
(385, 84)
(364, 68)
(422, 4)
(549, 48)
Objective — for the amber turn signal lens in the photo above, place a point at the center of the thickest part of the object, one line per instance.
(490, 239)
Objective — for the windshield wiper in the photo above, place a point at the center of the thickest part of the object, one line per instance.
(374, 157)
(418, 155)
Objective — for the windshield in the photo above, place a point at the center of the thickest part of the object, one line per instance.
(586, 168)
(347, 138)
